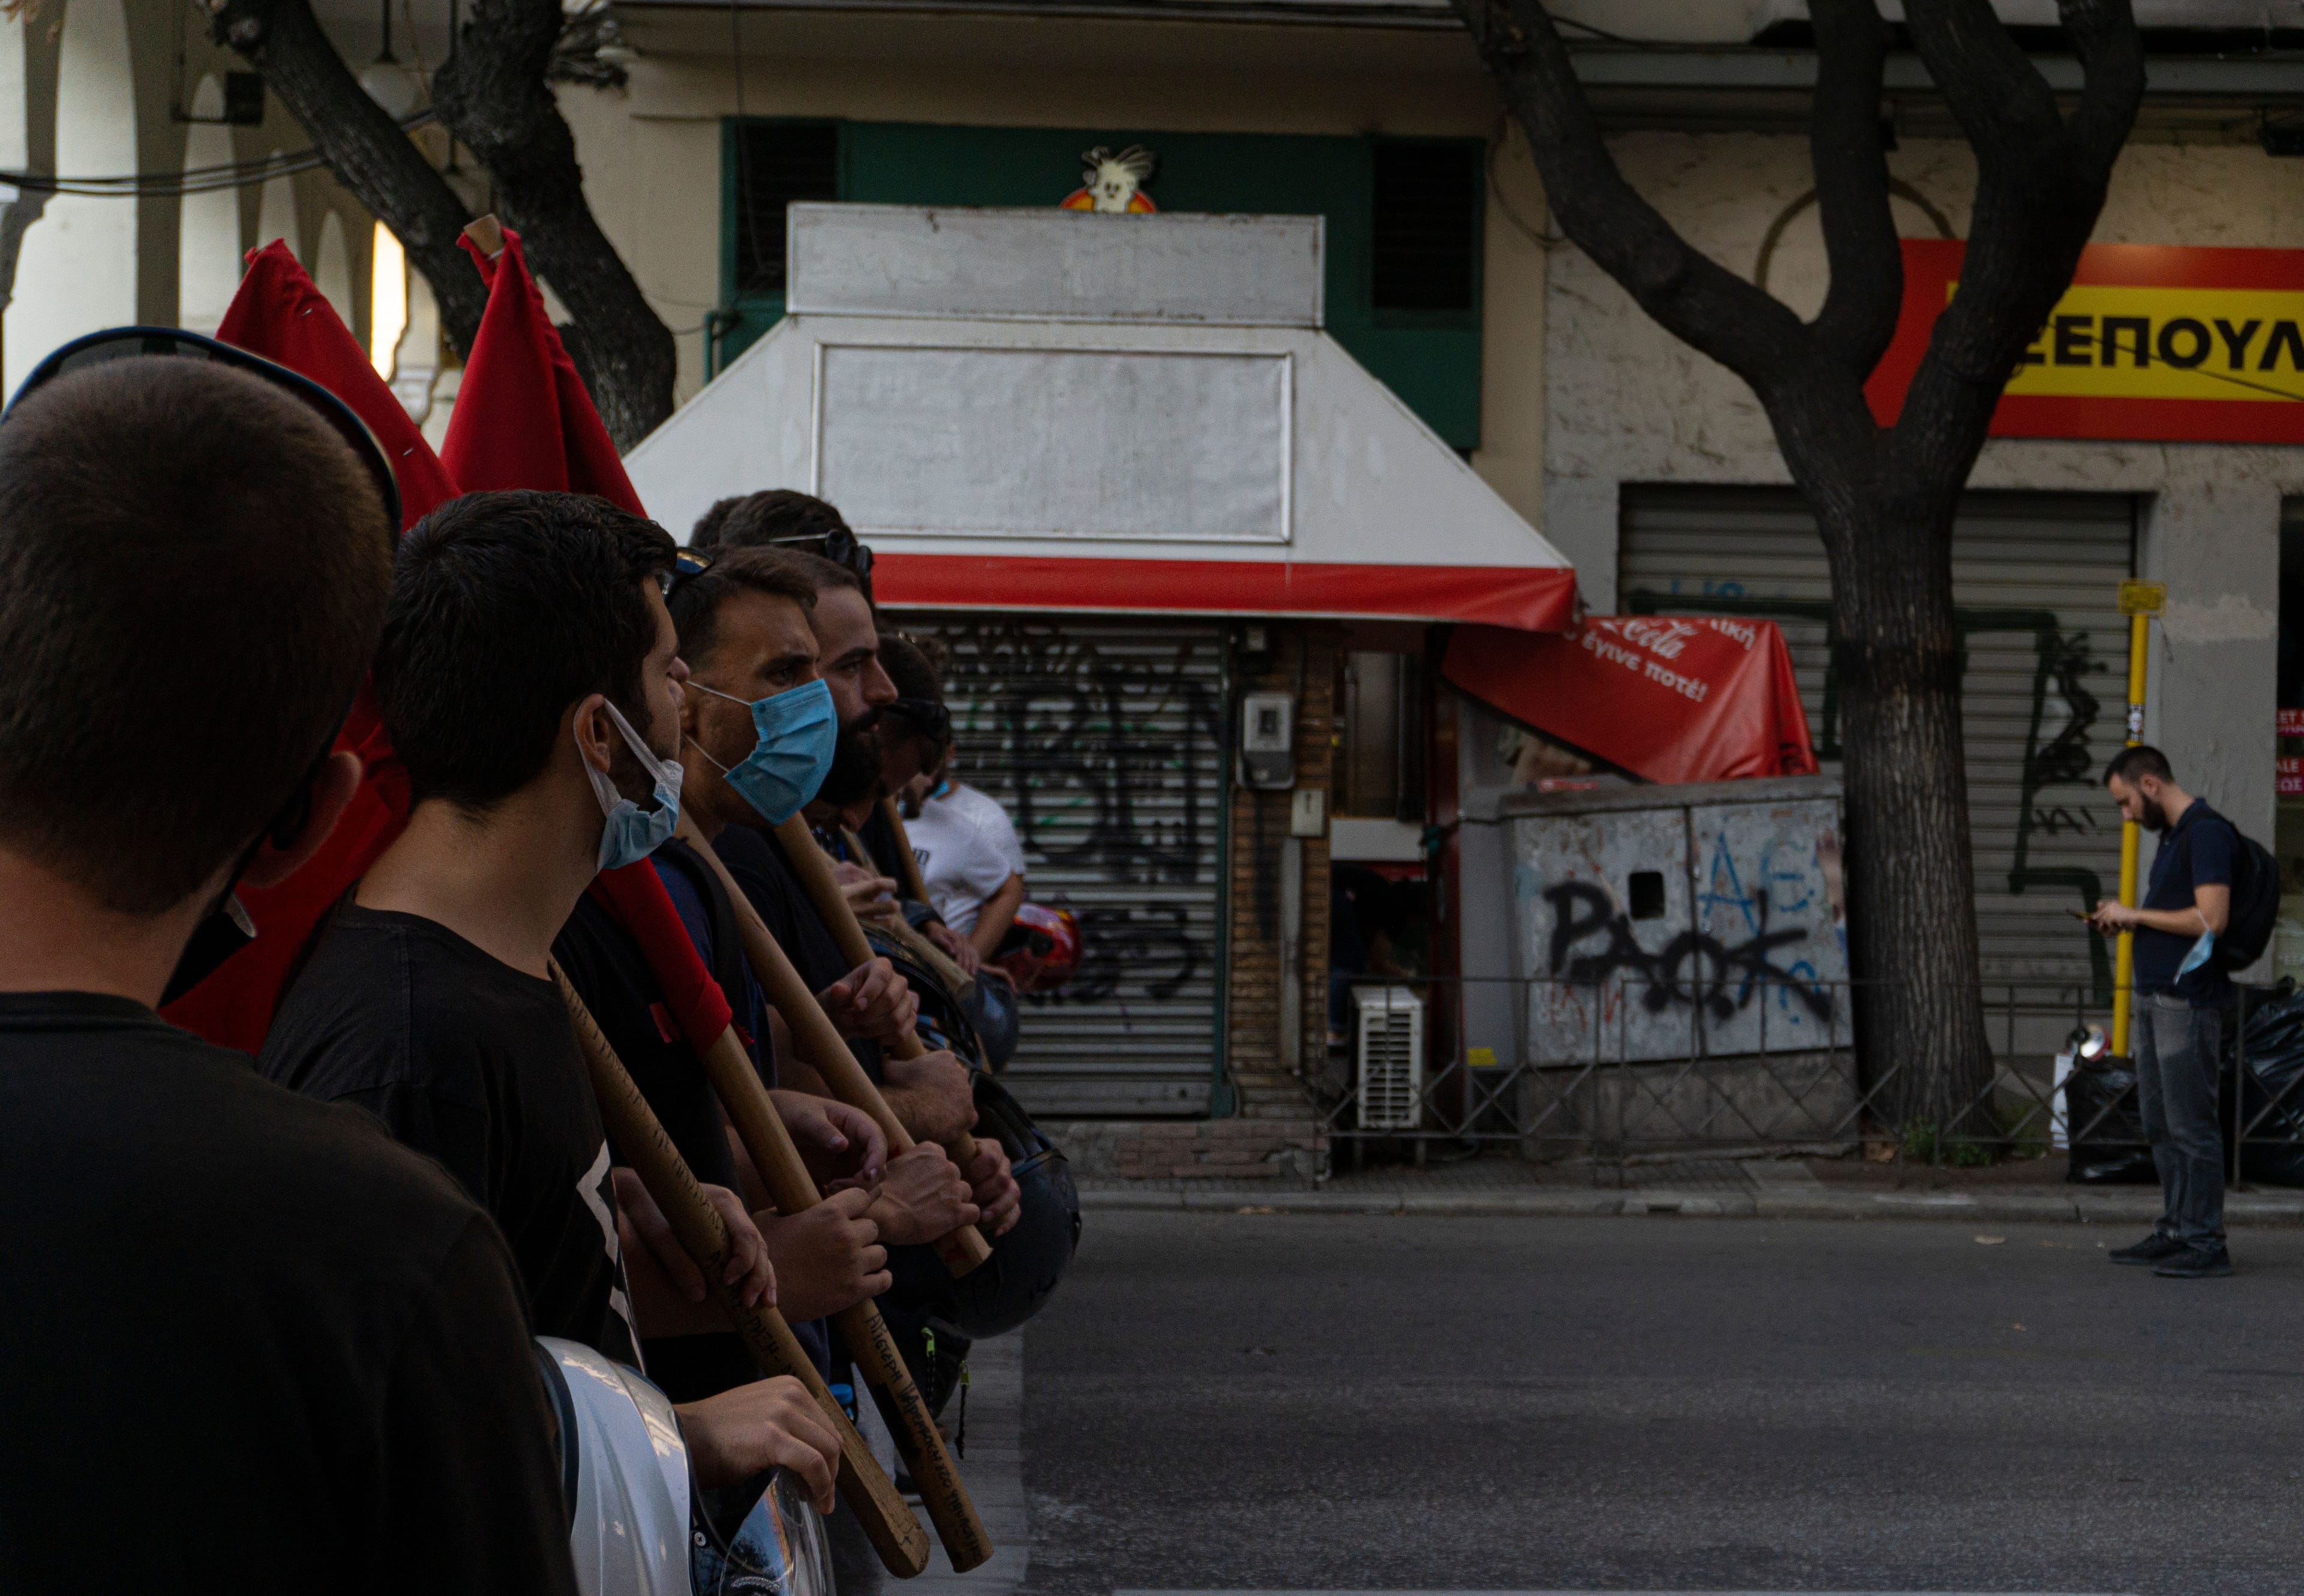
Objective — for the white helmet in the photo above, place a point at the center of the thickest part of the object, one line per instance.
(636, 1525)
(625, 1471)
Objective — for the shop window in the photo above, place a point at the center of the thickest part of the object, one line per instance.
(1423, 251)
(773, 164)
(1379, 764)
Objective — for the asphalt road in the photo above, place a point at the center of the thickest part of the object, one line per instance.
(1242, 1402)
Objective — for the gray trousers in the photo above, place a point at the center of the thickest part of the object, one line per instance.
(2175, 1047)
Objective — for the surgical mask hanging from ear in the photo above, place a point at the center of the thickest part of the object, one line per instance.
(632, 833)
(798, 729)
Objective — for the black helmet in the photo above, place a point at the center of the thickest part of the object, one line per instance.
(1027, 1264)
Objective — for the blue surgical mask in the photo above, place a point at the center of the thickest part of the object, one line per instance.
(2199, 956)
(632, 833)
(798, 729)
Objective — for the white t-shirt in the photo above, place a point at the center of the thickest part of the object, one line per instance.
(968, 850)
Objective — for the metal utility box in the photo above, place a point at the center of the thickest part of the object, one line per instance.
(1715, 906)
(1702, 924)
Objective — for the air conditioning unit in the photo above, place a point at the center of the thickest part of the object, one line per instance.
(1392, 1059)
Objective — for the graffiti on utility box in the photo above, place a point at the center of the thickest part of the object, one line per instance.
(1662, 923)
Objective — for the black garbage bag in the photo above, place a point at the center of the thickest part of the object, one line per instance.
(2108, 1145)
(2272, 1086)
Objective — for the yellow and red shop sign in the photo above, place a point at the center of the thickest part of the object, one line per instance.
(2151, 343)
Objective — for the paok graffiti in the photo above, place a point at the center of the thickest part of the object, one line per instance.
(1667, 922)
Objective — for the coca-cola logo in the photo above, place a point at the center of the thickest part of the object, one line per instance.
(1663, 638)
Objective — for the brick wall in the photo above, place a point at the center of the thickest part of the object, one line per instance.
(1269, 1085)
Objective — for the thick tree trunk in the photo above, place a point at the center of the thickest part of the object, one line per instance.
(362, 145)
(1883, 497)
(493, 95)
(1911, 872)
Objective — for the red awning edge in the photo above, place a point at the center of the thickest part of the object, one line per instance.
(1527, 598)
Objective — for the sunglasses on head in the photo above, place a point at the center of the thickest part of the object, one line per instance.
(839, 546)
(132, 342)
(687, 565)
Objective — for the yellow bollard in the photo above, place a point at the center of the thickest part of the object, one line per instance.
(2140, 602)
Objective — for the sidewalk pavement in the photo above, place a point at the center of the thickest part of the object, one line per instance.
(1717, 1188)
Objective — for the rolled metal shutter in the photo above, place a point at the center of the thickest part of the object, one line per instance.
(1105, 742)
(2036, 577)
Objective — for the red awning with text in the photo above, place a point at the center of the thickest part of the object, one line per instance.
(1668, 697)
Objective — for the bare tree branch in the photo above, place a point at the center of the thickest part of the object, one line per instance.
(2000, 102)
(2112, 55)
(362, 145)
(2040, 186)
(1850, 159)
(1694, 298)
(493, 95)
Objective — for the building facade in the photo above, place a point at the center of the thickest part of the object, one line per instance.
(1650, 467)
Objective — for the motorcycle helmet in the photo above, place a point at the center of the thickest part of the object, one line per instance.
(1042, 948)
(636, 1523)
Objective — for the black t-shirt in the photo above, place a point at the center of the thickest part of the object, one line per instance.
(2198, 851)
(247, 1343)
(470, 1060)
(755, 859)
(614, 977)
(611, 973)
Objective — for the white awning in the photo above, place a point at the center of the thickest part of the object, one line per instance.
(1051, 410)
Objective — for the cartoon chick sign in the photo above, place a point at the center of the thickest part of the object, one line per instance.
(1115, 183)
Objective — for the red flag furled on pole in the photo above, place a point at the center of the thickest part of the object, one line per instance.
(1669, 698)
(280, 314)
(635, 898)
(523, 418)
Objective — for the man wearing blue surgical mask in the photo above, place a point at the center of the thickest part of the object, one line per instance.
(530, 677)
(755, 730)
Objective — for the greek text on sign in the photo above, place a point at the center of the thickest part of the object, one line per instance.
(2149, 342)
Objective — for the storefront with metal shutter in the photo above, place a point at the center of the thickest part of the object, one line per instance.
(2036, 579)
(1104, 741)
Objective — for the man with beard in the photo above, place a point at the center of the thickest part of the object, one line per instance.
(530, 677)
(930, 1094)
(2181, 993)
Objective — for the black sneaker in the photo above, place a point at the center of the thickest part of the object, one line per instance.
(2153, 1249)
(2197, 1263)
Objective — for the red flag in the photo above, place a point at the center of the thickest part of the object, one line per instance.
(523, 418)
(280, 314)
(1670, 699)
(634, 897)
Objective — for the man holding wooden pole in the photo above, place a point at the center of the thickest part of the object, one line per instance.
(831, 1256)
(528, 678)
(250, 1344)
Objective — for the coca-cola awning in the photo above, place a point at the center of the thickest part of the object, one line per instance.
(1046, 410)
(1667, 698)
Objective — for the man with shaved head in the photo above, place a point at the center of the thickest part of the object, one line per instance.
(250, 1344)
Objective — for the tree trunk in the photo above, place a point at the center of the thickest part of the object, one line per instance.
(363, 146)
(1883, 497)
(493, 95)
(1910, 864)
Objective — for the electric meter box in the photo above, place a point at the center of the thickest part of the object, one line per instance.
(1267, 740)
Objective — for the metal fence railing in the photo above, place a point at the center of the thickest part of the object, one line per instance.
(1626, 1069)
